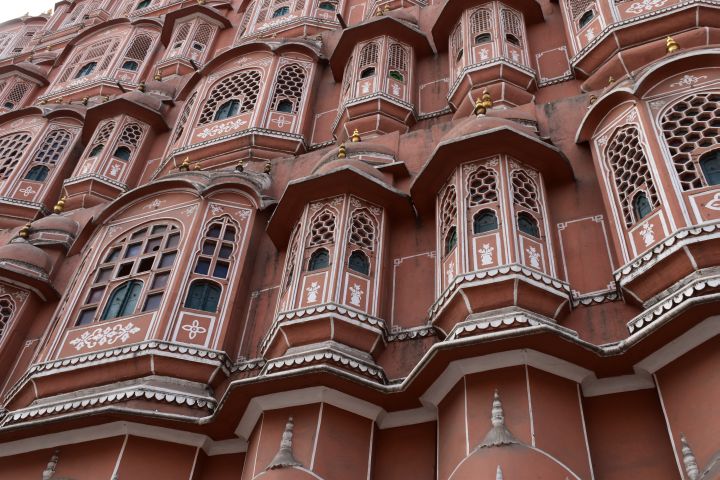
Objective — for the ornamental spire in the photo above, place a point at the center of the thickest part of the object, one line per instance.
(499, 434)
(284, 457)
(689, 460)
(671, 46)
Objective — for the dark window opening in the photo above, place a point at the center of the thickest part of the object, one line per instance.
(320, 258)
(203, 295)
(143, 4)
(359, 262)
(37, 173)
(586, 18)
(528, 224)
(368, 72)
(285, 106)
(450, 240)
(459, 55)
(86, 70)
(123, 153)
(9, 105)
(130, 65)
(394, 74)
(228, 109)
(96, 150)
(512, 39)
(327, 6)
(710, 166)
(281, 12)
(641, 206)
(483, 38)
(485, 221)
(123, 300)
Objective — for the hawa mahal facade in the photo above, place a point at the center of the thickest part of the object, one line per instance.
(360, 239)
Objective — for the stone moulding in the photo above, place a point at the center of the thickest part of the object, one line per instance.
(303, 314)
(367, 98)
(484, 64)
(596, 299)
(486, 276)
(326, 355)
(664, 249)
(610, 29)
(513, 318)
(412, 334)
(98, 178)
(100, 81)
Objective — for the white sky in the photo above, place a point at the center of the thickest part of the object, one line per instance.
(10, 9)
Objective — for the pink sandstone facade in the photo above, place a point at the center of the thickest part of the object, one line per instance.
(360, 239)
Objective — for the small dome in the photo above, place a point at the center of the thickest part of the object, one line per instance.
(402, 15)
(349, 162)
(150, 101)
(19, 252)
(57, 223)
(473, 124)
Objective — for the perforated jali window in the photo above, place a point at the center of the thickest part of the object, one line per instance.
(368, 55)
(291, 257)
(6, 312)
(512, 24)
(362, 231)
(180, 36)
(289, 87)
(481, 187)
(480, 21)
(12, 148)
(578, 7)
(397, 58)
(525, 191)
(138, 49)
(131, 135)
(53, 147)
(217, 249)
(104, 133)
(448, 210)
(100, 52)
(630, 170)
(182, 120)
(322, 230)
(15, 94)
(243, 86)
(691, 125)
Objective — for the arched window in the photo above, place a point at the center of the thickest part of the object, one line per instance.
(227, 110)
(203, 295)
(217, 248)
(86, 70)
(289, 88)
(456, 46)
(145, 256)
(131, 65)
(123, 300)
(143, 4)
(450, 239)
(38, 173)
(395, 75)
(630, 170)
(513, 27)
(14, 94)
(122, 153)
(359, 262)
(243, 87)
(96, 150)
(281, 12)
(368, 72)
(180, 124)
(641, 206)
(485, 221)
(12, 148)
(528, 224)
(483, 38)
(481, 26)
(710, 166)
(397, 62)
(285, 106)
(525, 191)
(327, 6)
(7, 308)
(512, 39)
(319, 259)
(482, 187)
(586, 18)
(322, 230)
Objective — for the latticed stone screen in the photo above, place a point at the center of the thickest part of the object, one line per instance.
(323, 229)
(243, 86)
(362, 231)
(290, 85)
(481, 187)
(51, 150)
(6, 311)
(525, 191)
(448, 209)
(12, 148)
(480, 21)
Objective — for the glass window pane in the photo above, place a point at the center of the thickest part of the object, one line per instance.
(208, 247)
(159, 228)
(161, 280)
(139, 233)
(113, 255)
(214, 231)
(153, 302)
(153, 245)
(95, 295)
(221, 270)
(173, 240)
(133, 250)
(225, 251)
(203, 295)
(103, 275)
(124, 269)
(145, 264)
(203, 266)
(229, 234)
(85, 317)
(167, 260)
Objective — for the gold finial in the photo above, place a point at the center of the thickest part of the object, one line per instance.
(671, 45)
(379, 12)
(105, 98)
(43, 102)
(59, 206)
(486, 99)
(479, 108)
(141, 86)
(341, 151)
(240, 167)
(185, 165)
(201, 2)
(197, 166)
(611, 80)
(48, 48)
(593, 99)
(59, 100)
(85, 100)
(482, 104)
(387, 8)
(355, 136)
(31, 57)
(268, 167)
(24, 231)
(158, 75)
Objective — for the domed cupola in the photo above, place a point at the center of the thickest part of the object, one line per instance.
(487, 181)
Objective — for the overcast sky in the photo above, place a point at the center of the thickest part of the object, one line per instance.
(10, 9)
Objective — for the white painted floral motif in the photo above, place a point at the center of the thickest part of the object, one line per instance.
(243, 214)
(281, 121)
(647, 234)
(190, 210)
(396, 89)
(631, 116)
(194, 329)
(155, 204)
(312, 292)
(114, 170)
(534, 257)
(450, 271)
(27, 191)
(216, 209)
(589, 34)
(221, 128)
(355, 294)
(645, 6)
(688, 81)
(486, 254)
(714, 203)
(365, 87)
(104, 336)
(515, 56)
(484, 54)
